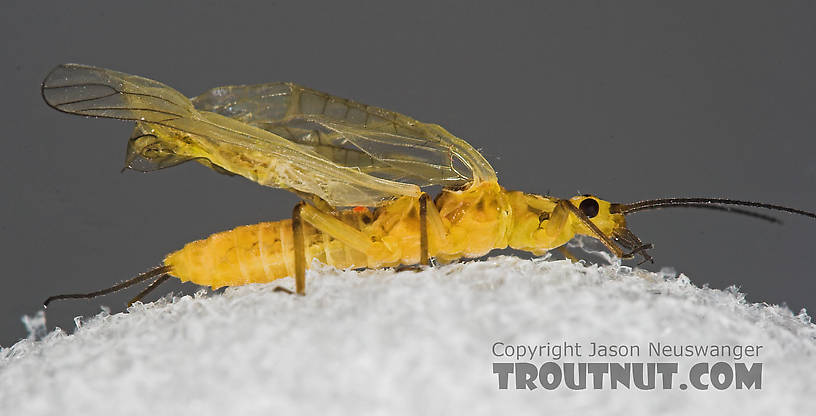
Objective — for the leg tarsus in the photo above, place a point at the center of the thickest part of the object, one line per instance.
(283, 289)
(408, 268)
(642, 250)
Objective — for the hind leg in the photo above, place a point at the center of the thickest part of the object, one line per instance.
(299, 251)
(326, 223)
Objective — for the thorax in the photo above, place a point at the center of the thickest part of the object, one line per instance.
(477, 220)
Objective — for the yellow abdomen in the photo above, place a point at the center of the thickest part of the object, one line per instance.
(247, 254)
(261, 253)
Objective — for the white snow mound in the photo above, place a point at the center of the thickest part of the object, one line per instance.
(406, 343)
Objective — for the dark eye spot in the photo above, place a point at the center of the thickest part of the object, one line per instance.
(589, 207)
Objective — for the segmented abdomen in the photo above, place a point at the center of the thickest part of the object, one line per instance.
(257, 253)
(472, 222)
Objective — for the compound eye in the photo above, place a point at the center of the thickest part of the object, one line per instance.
(589, 207)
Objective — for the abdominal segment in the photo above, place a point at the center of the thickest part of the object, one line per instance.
(263, 252)
(470, 224)
(257, 253)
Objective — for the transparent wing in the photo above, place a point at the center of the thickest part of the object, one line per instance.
(382, 143)
(235, 146)
(98, 92)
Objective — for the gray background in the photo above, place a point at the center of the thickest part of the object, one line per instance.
(627, 101)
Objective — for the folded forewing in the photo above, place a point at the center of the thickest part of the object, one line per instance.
(99, 92)
(382, 143)
(229, 143)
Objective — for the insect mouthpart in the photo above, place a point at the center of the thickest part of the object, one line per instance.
(631, 242)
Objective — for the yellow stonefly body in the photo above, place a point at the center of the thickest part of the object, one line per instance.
(468, 223)
(361, 168)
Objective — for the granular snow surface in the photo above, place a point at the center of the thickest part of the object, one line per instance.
(381, 342)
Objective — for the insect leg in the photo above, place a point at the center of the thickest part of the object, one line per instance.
(428, 214)
(423, 229)
(435, 228)
(327, 224)
(335, 228)
(299, 252)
